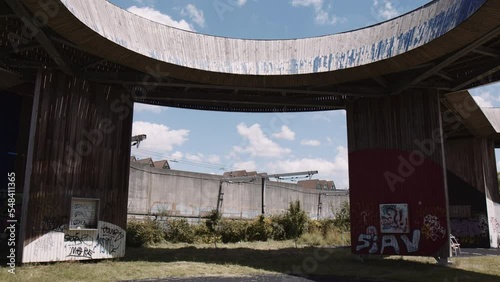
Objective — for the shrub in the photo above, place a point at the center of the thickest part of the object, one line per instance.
(202, 234)
(212, 223)
(144, 233)
(179, 230)
(233, 231)
(278, 229)
(294, 221)
(312, 239)
(260, 229)
(343, 218)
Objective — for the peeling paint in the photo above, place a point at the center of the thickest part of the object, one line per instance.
(254, 57)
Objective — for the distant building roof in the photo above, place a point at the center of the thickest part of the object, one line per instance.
(148, 161)
(239, 173)
(317, 184)
(162, 164)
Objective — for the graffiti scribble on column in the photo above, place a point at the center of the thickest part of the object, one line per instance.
(432, 228)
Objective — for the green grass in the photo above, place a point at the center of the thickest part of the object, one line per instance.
(184, 260)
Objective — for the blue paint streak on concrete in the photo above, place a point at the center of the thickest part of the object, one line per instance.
(330, 61)
(153, 54)
(294, 66)
(316, 64)
(325, 61)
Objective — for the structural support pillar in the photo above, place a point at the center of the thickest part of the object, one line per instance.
(77, 170)
(398, 194)
(263, 195)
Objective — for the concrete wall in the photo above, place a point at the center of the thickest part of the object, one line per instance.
(189, 194)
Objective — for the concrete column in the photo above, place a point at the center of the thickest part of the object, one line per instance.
(398, 193)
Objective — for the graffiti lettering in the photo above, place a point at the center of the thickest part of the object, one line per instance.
(80, 214)
(80, 252)
(78, 222)
(43, 245)
(495, 225)
(370, 240)
(82, 207)
(390, 241)
(114, 234)
(469, 227)
(78, 239)
(107, 244)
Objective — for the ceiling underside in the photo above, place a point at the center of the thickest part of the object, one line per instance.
(23, 53)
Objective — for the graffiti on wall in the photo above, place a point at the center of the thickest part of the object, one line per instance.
(394, 218)
(388, 243)
(473, 230)
(432, 228)
(495, 225)
(107, 241)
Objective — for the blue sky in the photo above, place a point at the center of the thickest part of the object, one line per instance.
(213, 142)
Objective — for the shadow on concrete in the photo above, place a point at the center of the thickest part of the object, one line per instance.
(315, 264)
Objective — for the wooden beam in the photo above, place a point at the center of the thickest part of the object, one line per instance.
(137, 79)
(219, 98)
(487, 52)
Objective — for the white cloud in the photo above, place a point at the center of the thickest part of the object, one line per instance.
(241, 2)
(177, 155)
(314, 143)
(285, 133)
(482, 102)
(323, 17)
(195, 14)
(157, 16)
(139, 108)
(385, 9)
(248, 166)
(336, 170)
(485, 99)
(258, 144)
(160, 139)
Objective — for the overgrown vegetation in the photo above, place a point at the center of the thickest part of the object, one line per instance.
(293, 224)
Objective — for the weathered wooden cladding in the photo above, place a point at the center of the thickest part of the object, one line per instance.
(82, 149)
(396, 122)
(473, 160)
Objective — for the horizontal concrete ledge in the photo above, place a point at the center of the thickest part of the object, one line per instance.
(420, 36)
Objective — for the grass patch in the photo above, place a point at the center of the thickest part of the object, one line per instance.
(187, 260)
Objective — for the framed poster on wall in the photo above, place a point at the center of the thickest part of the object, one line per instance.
(84, 214)
(394, 218)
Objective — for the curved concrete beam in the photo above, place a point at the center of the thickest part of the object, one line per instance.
(420, 36)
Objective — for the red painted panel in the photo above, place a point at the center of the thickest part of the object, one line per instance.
(389, 176)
